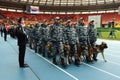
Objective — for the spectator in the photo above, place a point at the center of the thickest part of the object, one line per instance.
(1, 29)
(5, 33)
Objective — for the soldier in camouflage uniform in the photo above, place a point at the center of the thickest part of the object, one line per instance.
(56, 35)
(35, 36)
(92, 36)
(71, 38)
(82, 35)
(44, 32)
(30, 37)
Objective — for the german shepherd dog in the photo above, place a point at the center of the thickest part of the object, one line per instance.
(99, 49)
(63, 61)
(69, 54)
(49, 47)
(80, 51)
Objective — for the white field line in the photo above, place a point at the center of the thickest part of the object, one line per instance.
(112, 49)
(109, 61)
(57, 67)
(84, 64)
(102, 70)
(112, 55)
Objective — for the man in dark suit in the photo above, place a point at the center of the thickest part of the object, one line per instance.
(5, 33)
(1, 29)
(22, 40)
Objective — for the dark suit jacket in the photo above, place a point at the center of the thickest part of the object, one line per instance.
(4, 30)
(21, 36)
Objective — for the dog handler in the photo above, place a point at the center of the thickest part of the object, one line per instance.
(92, 35)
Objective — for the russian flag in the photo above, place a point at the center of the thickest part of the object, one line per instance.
(34, 8)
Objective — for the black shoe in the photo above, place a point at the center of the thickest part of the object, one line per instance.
(54, 61)
(43, 55)
(24, 66)
(50, 55)
(94, 59)
(77, 62)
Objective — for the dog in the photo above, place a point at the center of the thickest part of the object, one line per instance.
(69, 54)
(81, 53)
(99, 49)
(49, 47)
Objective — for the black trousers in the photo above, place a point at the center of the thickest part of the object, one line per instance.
(1, 34)
(22, 49)
(5, 36)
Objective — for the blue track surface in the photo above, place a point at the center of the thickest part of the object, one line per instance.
(42, 69)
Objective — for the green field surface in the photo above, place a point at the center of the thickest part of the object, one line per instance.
(107, 29)
(105, 35)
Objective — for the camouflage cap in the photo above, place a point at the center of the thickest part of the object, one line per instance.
(81, 18)
(57, 18)
(92, 20)
(68, 21)
(19, 20)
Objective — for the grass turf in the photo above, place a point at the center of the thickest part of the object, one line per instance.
(106, 34)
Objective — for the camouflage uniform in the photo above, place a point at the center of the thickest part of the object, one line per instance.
(30, 37)
(56, 35)
(92, 34)
(71, 38)
(35, 36)
(92, 37)
(44, 32)
(82, 36)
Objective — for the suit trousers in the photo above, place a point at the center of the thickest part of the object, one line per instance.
(22, 49)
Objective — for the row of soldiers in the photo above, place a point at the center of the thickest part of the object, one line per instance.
(42, 35)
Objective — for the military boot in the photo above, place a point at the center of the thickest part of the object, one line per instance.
(77, 62)
(49, 55)
(54, 61)
(62, 61)
(95, 56)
